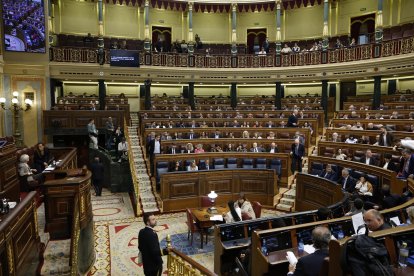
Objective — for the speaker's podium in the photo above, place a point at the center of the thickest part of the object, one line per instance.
(61, 187)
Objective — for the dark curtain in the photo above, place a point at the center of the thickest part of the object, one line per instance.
(255, 39)
(102, 94)
(147, 84)
(191, 101)
(282, 91)
(377, 92)
(362, 25)
(233, 95)
(54, 84)
(324, 100)
(332, 90)
(185, 92)
(278, 98)
(392, 86)
(165, 34)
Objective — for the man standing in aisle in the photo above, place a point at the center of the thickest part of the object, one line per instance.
(149, 247)
(154, 148)
(97, 169)
(297, 153)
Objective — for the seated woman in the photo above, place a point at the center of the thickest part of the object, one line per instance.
(193, 166)
(363, 187)
(199, 149)
(41, 157)
(26, 173)
(234, 214)
(245, 206)
(339, 155)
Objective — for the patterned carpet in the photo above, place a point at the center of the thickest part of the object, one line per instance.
(116, 236)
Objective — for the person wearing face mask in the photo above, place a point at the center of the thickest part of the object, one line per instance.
(351, 140)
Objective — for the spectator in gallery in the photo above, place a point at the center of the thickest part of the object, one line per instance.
(88, 39)
(114, 45)
(198, 43)
(286, 49)
(266, 45)
(262, 52)
(123, 45)
(338, 43)
(353, 43)
(296, 48)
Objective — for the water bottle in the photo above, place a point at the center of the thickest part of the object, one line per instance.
(301, 246)
(264, 248)
(402, 259)
(340, 235)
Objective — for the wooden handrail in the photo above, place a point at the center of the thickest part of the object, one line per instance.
(194, 265)
(131, 159)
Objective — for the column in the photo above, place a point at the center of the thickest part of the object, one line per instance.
(278, 98)
(191, 101)
(49, 22)
(378, 23)
(147, 84)
(233, 95)
(147, 40)
(324, 100)
(101, 51)
(325, 33)
(55, 86)
(190, 29)
(102, 94)
(233, 29)
(377, 93)
(278, 25)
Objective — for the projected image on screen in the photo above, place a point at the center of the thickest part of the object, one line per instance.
(24, 26)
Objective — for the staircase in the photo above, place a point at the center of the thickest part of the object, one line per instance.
(146, 194)
(56, 258)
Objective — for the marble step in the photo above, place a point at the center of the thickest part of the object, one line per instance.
(287, 201)
(283, 207)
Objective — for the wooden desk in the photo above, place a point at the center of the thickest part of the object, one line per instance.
(202, 218)
(278, 257)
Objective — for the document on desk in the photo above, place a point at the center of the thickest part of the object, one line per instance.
(217, 218)
(357, 222)
(396, 220)
(309, 248)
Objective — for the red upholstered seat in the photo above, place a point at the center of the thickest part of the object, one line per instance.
(257, 208)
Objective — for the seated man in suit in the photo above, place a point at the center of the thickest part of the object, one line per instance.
(386, 138)
(329, 173)
(407, 164)
(273, 148)
(312, 263)
(255, 148)
(191, 135)
(375, 221)
(347, 182)
(388, 164)
(205, 166)
(369, 159)
(293, 119)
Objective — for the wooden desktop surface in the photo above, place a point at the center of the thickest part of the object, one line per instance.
(202, 216)
(278, 257)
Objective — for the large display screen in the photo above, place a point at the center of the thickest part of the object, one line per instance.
(124, 58)
(24, 26)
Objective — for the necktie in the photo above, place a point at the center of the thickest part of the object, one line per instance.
(173, 151)
(297, 150)
(191, 136)
(345, 183)
(255, 149)
(207, 167)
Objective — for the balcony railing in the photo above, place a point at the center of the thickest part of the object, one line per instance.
(357, 53)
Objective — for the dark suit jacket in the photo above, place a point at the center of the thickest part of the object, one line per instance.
(97, 170)
(350, 184)
(276, 150)
(389, 138)
(372, 161)
(301, 151)
(149, 247)
(331, 176)
(391, 166)
(259, 149)
(194, 136)
(311, 264)
(410, 166)
(176, 151)
(291, 120)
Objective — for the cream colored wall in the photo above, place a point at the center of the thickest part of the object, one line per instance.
(256, 90)
(255, 21)
(367, 88)
(80, 88)
(352, 8)
(212, 27)
(303, 89)
(404, 84)
(303, 23)
(116, 89)
(121, 21)
(78, 17)
(173, 90)
(211, 90)
(172, 19)
(406, 13)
